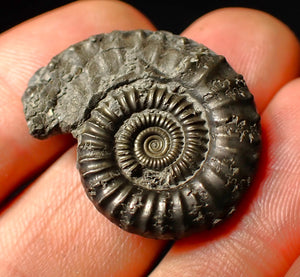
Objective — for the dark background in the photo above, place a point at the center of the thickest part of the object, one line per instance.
(169, 15)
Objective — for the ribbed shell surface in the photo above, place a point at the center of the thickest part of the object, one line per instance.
(168, 133)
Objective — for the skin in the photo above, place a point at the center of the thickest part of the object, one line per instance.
(52, 229)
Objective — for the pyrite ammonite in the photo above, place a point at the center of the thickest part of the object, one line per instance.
(168, 133)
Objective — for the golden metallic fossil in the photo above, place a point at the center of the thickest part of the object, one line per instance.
(168, 134)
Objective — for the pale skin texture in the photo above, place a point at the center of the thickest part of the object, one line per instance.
(52, 229)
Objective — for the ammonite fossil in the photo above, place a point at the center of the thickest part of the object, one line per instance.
(168, 133)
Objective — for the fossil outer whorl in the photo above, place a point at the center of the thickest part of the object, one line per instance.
(168, 134)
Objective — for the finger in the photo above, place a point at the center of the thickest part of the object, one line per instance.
(53, 230)
(265, 240)
(79, 249)
(256, 44)
(246, 245)
(23, 50)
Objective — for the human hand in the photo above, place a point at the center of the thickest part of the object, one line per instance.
(52, 229)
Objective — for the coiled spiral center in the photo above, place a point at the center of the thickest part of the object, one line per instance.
(152, 138)
(155, 143)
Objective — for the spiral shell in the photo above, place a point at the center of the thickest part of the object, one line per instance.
(168, 134)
